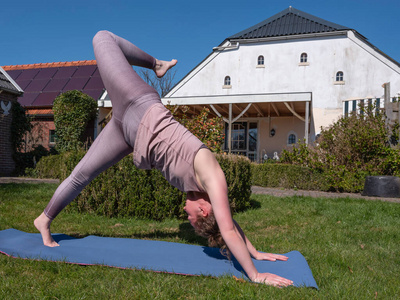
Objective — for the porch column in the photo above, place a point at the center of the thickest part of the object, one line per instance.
(230, 129)
(307, 121)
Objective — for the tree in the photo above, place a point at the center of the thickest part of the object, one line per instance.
(162, 85)
(72, 112)
(20, 125)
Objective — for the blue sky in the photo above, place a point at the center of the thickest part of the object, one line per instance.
(54, 31)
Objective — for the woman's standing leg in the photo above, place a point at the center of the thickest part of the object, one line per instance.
(107, 149)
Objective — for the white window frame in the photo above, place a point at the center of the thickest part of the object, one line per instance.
(226, 79)
(339, 82)
(304, 63)
(259, 58)
(289, 134)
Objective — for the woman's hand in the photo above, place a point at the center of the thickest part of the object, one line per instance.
(272, 279)
(270, 256)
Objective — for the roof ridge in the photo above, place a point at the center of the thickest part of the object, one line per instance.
(51, 65)
(278, 17)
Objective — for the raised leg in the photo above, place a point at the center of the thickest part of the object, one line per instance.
(115, 57)
(161, 67)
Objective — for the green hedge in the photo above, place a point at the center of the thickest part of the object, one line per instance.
(124, 190)
(288, 176)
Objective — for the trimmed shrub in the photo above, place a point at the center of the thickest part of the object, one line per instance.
(26, 161)
(287, 176)
(237, 170)
(124, 190)
(72, 112)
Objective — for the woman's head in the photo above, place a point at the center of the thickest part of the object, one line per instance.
(197, 205)
(201, 217)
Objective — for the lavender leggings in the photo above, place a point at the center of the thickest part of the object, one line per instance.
(130, 97)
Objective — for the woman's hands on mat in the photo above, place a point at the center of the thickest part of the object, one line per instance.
(269, 256)
(272, 279)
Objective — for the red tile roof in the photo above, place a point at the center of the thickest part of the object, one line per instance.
(39, 111)
(50, 65)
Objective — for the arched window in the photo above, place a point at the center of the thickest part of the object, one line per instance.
(339, 76)
(227, 81)
(260, 60)
(303, 58)
(292, 139)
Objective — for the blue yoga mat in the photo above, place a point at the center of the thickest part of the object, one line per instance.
(155, 256)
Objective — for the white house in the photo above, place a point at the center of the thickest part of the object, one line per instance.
(283, 79)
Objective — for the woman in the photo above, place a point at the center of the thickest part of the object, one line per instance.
(142, 125)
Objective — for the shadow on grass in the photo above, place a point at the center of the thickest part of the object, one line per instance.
(184, 234)
(254, 204)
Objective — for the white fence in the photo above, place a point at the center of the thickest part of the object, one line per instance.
(354, 105)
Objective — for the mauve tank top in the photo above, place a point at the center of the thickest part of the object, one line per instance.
(165, 144)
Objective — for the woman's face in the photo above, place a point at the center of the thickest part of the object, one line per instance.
(197, 204)
(193, 210)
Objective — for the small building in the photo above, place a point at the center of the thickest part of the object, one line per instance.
(42, 83)
(281, 80)
(9, 93)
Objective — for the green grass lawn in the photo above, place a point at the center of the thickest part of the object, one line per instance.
(352, 247)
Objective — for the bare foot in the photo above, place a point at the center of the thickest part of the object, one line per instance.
(42, 223)
(163, 66)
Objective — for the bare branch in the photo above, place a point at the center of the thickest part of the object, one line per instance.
(161, 85)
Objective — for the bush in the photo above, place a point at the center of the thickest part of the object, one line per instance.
(72, 112)
(20, 125)
(58, 166)
(208, 130)
(351, 149)
(237, 170)
(124, 190)
(287, 176)
(26, 161)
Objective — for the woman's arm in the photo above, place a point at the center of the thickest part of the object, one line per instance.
(252, 250)
(213, 180)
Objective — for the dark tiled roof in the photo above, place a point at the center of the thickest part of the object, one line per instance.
(42, 83)
(288, 22)
(7, 85)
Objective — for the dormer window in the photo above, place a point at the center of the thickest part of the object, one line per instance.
(227, 82)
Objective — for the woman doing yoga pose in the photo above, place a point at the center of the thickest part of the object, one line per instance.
(142, 125)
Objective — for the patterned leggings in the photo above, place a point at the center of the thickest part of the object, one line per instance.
(130, 97)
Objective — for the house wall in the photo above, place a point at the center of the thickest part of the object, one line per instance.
(40, 134)
(7, 164)
(283, 126)
(365, 70)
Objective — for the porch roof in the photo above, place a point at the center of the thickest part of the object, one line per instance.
(247, 105)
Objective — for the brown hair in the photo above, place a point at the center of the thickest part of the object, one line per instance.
(207, 227)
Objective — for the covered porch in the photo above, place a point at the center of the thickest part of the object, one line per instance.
(256, 125)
